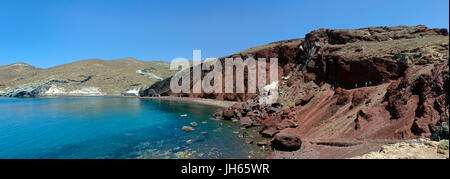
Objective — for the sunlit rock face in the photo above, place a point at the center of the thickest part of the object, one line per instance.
(55, 91)
(87, 91)
(369, 83)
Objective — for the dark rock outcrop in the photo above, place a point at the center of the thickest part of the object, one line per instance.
(31, 91)
(440, 132)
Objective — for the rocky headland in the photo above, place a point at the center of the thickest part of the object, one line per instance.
(344, 93)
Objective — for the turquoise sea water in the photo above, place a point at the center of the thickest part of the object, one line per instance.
(101, 127)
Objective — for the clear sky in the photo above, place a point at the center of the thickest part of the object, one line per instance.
(46, 33)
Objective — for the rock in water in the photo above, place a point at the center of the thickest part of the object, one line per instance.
(194, 124)
(228, 114)
(187, 129)
(287, 140)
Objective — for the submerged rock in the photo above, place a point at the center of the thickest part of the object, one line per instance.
(187, 129)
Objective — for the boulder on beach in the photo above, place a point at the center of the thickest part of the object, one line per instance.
(246, 122)
(228, 114)
(287, 140)
(270, 132)
(286, 124)
(272, 110)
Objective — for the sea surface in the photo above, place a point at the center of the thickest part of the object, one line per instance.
(114, 128)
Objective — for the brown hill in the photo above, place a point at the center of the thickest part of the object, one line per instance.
(16, 70)
(111, 77)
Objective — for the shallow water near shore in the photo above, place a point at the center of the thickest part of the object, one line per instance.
(109, 127)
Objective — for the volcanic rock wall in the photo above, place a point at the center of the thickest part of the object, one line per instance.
(370, 83)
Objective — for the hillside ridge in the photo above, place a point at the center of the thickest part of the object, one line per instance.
(92, 77)
(376, 83)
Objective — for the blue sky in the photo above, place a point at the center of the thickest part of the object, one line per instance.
(47, 33)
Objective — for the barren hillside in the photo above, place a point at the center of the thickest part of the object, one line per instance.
(94, 77)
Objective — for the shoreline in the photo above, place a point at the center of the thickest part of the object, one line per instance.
(197, 101)
(319, 149)
(185, 100)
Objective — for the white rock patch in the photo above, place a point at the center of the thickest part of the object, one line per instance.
(18, 64)
(134, 91)
(87, 91)
(149, 75)
(55, 91)
(270, 94)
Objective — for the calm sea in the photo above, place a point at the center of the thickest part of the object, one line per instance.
(107, 127)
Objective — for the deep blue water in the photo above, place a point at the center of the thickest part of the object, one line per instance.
(100, 127)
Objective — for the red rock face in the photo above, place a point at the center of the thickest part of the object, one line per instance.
(287, 52)
(428, 94)
(371, 83)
